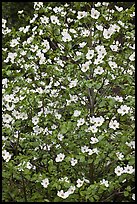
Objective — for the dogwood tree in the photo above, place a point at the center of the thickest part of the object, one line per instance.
(68, 104)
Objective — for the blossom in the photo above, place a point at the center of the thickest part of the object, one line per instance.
(133, 196)
(123, 109)
(79, 183)
(73, 83)
(131, 144)
(94, 140)
(129, 169)
(119, 155)
(44, 20)
(132, 57)
(7, 118)
(45, 182)
(99, 70)
(60, 137)
(54, 20)
(38, 5)
(80, 122)
(99, 27)
(62, 194)
(94, 13)
(57, 9)
(66, 36)
(98, 121)
(84, 149)
(76, 113)
(85, 33)
(81, 14)
(60, 157)
(82, 44)
(6, 155)
(90, 54)
(14, 42)
(93, 128)
(71, 189)
(119, 8)
(114, 47)
(119, 170)
(107, 33)
(35, 120)
(46, 45)
(85, 66)
(104, 182)
(92, 151)
(73, 161)
(114, 124)
(101, 50)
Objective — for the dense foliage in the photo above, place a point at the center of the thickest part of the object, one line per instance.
(68, 104)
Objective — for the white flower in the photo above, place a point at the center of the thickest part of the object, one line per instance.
(118, 98)
(76, 113)
(7, 118)
(129, 169)
(90, 54)
(82, 44)
(80, 122)
(79, 183)
(20, 12)
(104, 182)
(60, 157)
(81, 14)
(98, 4)
(86, 180)
(73, 83)
(85, 66)
(60, 137)
(98, 121)
(54, 20)
(44, 20)
(29, 165)
(132, 57)
(99, 27)
(119, 8)
(99, 70)
(14, 42)
(84, 149)
(62, 194)
(114, 47)
(107, 33)
(123, 110)
(112, 64)
(37, 5)
(57, 9)
(119, 170)
(66, 36)
(101, 50)
(64, 179)
(94, 13)
(45, 182)
(46, 45)
(71, 189)
(85, 33)
(133, 196)
(73, 161)
(94, 140)
(35, 120)
(131, 144)
(93, 128)
(119, 155)
(6, 155)
(114, 124)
